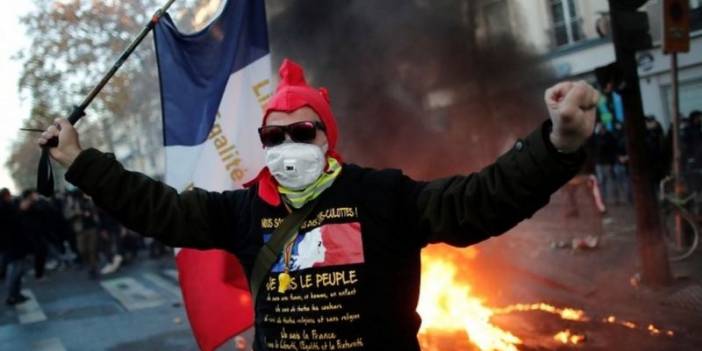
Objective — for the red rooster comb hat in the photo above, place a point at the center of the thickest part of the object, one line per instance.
(292, 94)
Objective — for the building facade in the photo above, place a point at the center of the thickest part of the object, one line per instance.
(573, 37)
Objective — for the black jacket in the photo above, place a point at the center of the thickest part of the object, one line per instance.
(14, 243)
(356, 263)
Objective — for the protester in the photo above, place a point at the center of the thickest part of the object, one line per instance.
(110, 233)
(620, 168)
(7, 218)
(584, 186)
(691, 140)
(64, 232)
(35, 222)
(654, 146)
(131, 243)
(605, 155)
(15, 246)
(82, 214)
(156, 248)
(362, 285)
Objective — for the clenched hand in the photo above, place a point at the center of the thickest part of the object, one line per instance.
(68, 146)
(571, 106)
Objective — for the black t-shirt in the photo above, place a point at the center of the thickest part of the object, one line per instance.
(354, 266)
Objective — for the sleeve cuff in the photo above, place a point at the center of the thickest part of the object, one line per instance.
(571, 159)
(83, 165)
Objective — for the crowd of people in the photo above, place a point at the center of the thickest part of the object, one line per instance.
(611, 160)
(606, 175)
(65, 232)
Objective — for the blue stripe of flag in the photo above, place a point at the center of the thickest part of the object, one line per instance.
(194, 68)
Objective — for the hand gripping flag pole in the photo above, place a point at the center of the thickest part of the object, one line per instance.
(45, 174)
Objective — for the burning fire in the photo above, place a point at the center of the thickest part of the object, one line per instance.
(570, 314)
(567, 337)
(448, 307)
(652, 329)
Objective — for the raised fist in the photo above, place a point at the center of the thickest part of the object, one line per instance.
(571, 106)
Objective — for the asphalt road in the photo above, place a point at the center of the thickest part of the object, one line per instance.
(138, 308)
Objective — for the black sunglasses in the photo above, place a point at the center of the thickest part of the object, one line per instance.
(300, 132)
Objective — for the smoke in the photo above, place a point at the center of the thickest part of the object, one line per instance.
(417, 85)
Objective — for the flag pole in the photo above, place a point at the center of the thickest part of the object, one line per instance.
(45, 175)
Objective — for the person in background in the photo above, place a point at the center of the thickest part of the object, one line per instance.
(110, 242)
(691, 140)
(584, 187)
(82, 214)
(654, 144)
(132, 242)
(620, 168)
(64, 232)
(15, 249)
(6, 216)
(34, 217)
(605, 154)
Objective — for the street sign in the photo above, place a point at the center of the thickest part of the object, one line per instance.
(676, 26)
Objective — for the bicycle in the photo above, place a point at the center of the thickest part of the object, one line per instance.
(680, 221)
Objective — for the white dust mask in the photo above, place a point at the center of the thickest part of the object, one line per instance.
(296, 165)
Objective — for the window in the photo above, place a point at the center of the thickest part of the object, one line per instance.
(695, 15)
(567, 25)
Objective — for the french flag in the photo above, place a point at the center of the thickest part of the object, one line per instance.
(214, 85)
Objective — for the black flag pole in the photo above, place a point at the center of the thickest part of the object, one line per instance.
(45, 173)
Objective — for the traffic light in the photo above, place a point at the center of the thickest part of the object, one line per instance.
(676, 26)
(631, 28)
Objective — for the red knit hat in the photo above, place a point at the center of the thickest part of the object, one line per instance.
(292, 94)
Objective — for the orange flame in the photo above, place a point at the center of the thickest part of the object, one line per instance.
(652, 329)
(566, 337)
(447, 306)
(570, 314)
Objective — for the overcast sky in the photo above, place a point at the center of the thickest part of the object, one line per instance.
(13, 111)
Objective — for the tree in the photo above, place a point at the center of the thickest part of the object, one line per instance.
(73, 44)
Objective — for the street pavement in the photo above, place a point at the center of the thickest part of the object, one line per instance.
(530, 264)
(138, 308)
